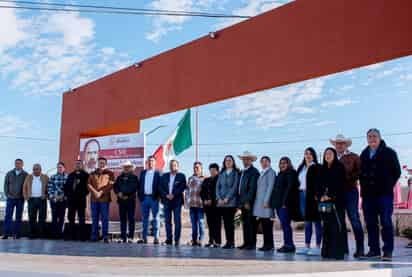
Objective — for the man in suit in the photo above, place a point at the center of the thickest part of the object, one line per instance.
(171, 190)
(247, 195)
(76, 191)
(149, 199)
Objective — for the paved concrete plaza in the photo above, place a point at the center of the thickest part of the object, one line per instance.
(62, 258)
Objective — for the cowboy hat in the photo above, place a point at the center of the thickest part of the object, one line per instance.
(341, 138)
(127, 164)
(247, 154)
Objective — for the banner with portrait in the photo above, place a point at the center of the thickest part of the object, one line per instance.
(117, 149)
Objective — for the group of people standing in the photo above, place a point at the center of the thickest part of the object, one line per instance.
(320, 194)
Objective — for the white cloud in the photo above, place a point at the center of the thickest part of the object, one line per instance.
(274, 108)
(162, 25)
(338, 103)
(347, 87)
(75, 29)
(10, 29)
(374, 66)
(251, 8)
(55, 52)
(324, 123)
(10, 124)
(406, 77)
(303, 110)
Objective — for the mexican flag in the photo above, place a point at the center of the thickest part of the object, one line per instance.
(179, 141)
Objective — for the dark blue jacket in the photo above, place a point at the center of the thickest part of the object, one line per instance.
(155, 185)
(179, 186)
(127, 184)
(380, 173)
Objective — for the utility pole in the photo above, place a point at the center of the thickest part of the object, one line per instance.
(197, 134)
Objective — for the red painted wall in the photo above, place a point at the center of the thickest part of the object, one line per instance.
(299, 41)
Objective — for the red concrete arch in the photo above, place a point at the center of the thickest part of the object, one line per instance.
(298, 41)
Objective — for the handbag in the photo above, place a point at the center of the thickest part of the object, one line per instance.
(326, 207)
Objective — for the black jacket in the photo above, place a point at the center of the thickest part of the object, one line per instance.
(313, 179)
(286, 193)
(379, 174)
(248, 186)
(155, 185)
(75, 188)
(333, 184)
(127, 184)
(179, 186)
(208, 191)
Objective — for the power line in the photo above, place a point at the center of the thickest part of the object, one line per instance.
(69, 8)
(27, 138)
(36, 3)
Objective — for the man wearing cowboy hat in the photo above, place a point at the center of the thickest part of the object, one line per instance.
(125, 188)
(247, 195)
(352, 164)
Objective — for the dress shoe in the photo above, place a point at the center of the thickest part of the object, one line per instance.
(156, 241)
(142, 241)
(387, 257)
(286, 249)
(372, 255)
(228, 246)
(250, 247)
(243, 246)
(177, 243)
(358, 254)
(5, 237)
(168, 242)
(266, 249)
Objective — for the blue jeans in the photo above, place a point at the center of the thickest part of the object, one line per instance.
(286, 228)
(58, 210)
(150, 204)
(197, 218)
(127, 210)
(352, 209)
(176, 210)
(377, 209)
(100, 210)
(309, 224)
(12, 204)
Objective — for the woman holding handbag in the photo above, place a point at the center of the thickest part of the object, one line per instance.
(330, 194)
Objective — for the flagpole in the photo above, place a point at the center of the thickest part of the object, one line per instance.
(197, 134)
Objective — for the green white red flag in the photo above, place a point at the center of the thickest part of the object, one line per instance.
(178, 142)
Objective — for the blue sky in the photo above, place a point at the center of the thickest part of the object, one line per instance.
(42, 55)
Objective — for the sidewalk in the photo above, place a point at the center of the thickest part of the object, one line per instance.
(62, 258)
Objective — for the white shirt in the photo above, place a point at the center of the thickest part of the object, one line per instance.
(171, 183)
(302, 177)
(264, 171)
(241, 178)
(36, 187)
(148, 182)
(340, 156)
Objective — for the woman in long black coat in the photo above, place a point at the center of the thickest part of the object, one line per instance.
(285, 199)
(309, 177)
(331, 190)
